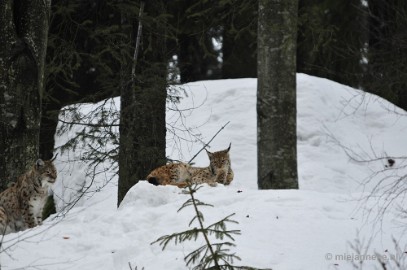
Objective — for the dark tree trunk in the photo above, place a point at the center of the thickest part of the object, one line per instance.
(197, 58)
(331, 40)
(142, 117)
(239, 56)
(239, 43)
(23, 30)
(387, 72)
(76, 69)
(276, 95)
(49, 122)
(192, 42)
(191, 59)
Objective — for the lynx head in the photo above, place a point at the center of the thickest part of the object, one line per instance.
(219, 160)
(47, 171)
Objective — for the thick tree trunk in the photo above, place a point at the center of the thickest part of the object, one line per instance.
(276, 95)
(23, 29)
(142, 116)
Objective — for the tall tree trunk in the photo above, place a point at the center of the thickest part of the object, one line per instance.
(80, 60)
(23, 30)
(142, 116)
(276, 95)
(239, 57)
(191, 59)
(197, 58)
(331, 39)
(387, 72)
(239, 43)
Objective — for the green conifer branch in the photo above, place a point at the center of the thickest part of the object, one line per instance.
(210, 256)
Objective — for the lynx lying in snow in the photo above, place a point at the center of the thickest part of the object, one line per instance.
(218, 171)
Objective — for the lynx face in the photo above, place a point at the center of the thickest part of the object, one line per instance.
(220, 167)
(47, 172)
(22, 203)
(219, 161)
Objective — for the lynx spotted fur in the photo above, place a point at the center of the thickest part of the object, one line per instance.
(22, 203)
(179, 174)
(170, 174)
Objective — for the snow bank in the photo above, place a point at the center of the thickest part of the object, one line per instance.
(310, 228)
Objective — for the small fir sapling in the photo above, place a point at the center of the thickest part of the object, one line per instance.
(214, 256)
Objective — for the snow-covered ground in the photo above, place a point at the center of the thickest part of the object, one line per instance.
(339, 128)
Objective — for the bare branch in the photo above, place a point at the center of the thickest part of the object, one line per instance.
(206, 144)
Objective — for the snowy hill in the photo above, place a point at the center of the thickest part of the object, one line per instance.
(310, 228)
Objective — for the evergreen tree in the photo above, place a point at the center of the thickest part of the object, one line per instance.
(82, 59)
(331, 40)
(215, 39)
(194, 30)
(239, 41)
(211, 255)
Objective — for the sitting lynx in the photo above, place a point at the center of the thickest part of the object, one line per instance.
(179, 174)
(21, 204)
(218, 171)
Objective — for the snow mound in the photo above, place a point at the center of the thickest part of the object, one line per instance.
(146, 195)
(310, 228)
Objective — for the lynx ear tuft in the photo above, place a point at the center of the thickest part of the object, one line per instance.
(227, 150)
(39, 163)
(209, 153)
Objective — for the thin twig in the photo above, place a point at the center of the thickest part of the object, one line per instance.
(88, 124)
(136, 49)
(206, 144)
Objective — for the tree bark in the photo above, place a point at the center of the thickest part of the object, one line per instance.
(276, 95)
(24, 30)
(142, 116)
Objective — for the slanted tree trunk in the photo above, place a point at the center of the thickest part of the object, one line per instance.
(142, 116)
(276, 95)
(23, 32)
